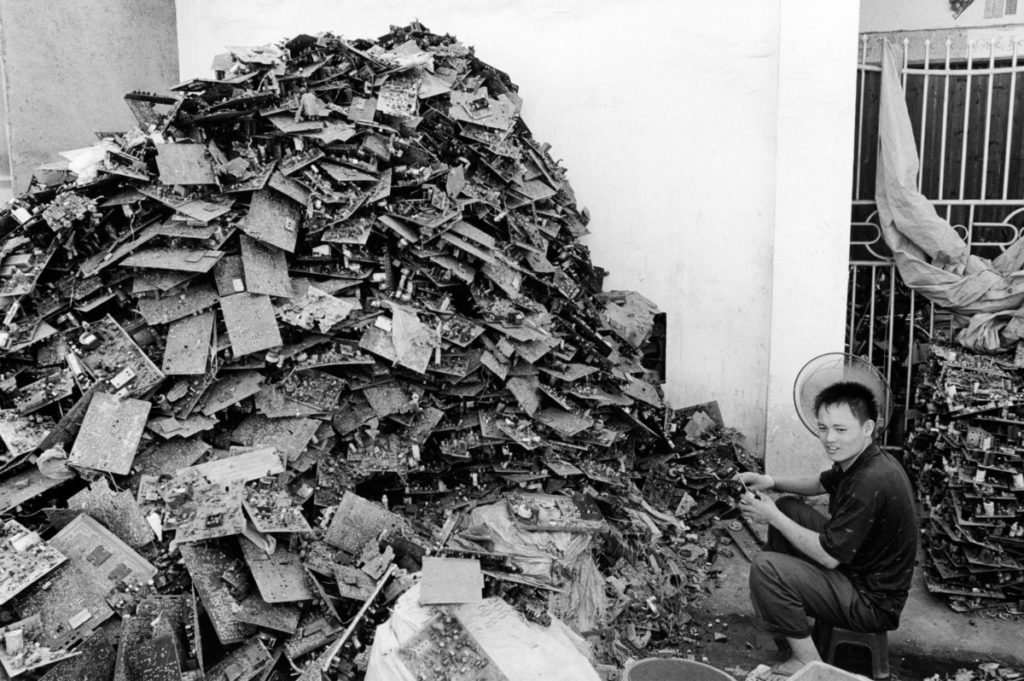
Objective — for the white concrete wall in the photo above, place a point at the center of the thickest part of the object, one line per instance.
(666, 115)
(817, 91)
(66, 66)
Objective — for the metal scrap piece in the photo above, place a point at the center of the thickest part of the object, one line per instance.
(118, 511)
(398, 96)
(279, 576)
(118, 352)
(390, 398)
(229, 275)
(185, 164)
(160, 639)
(282, 617)
(362, 110)
(358, 520)
(31, 634)
(422, 651)
(274, 510)
(21, 434)
(70, 608)
(243, 467)
(250, 322)
(317, 389)
(206, 210)
(231, 389)
(206, 562)
(265, 268)
(167, 457)
(289, 436)
(24, 559)
(210, 510)
(187, 350)
(451, 580)
(272, 402)
(290, 188)
(23, 486)
(479, 109)
(155, 658)
(19, 273)
(354, 231)
(643, 391)
(242, 664)
(110, 434)
(353, 583)
(101, 555)
(273, 219)
(170, 427)
(179, 259)
(525, 390)
(170, 308)
(47, 390)
(314, 309)
(95, 661)
(150, 281)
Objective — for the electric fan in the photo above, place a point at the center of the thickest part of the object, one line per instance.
(834, 367)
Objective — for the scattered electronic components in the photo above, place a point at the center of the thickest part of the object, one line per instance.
(445, 646)
(24, 559)
(25, 647)
(967, 453)
(550, 512)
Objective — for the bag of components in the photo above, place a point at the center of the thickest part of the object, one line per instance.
(486, 640)
(543, 555)
(533, 553)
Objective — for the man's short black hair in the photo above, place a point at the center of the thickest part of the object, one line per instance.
(857, 396)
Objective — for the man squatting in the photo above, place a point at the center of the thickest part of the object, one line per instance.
(851, 569)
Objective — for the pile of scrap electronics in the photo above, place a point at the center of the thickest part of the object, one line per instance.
(317, 336)
(967, 450)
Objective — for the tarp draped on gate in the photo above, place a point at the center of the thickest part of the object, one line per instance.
(930, 255)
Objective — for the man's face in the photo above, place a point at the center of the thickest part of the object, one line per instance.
(843, 436)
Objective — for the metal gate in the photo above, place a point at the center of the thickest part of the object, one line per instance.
(966, 104)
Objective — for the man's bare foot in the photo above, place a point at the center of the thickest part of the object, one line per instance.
(803, 649)
(786, 669)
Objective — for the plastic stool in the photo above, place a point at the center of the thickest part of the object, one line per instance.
(828, 638)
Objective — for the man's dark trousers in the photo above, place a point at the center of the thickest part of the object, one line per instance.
(786, 587)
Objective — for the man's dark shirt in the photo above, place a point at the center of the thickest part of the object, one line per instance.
(873, 527)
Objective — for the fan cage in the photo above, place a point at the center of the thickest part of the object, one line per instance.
(834, 367)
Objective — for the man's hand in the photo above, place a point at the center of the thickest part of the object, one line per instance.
(756, 481)
(758, 508)
(761, 508)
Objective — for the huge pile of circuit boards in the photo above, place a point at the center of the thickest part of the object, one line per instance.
(265, 351)
(967, 453)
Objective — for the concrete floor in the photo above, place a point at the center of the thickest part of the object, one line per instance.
(932, 637)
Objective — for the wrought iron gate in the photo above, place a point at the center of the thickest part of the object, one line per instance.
(966, 104)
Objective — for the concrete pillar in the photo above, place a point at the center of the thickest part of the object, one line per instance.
(817, 88)
(67, 64)
(5, 148)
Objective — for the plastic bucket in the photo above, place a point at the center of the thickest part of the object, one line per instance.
(672, 669)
